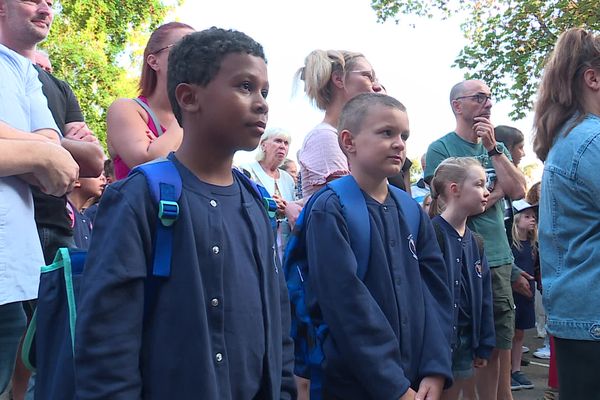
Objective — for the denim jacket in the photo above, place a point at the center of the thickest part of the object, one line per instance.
(569, 232)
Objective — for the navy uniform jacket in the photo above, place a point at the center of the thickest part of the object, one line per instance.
(179, 351)
(458, 250)
(392, 329)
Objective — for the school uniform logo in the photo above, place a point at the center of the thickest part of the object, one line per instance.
(478, 268)
(412, 247)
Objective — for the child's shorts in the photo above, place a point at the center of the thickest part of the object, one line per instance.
(524, 311)
(463, 355)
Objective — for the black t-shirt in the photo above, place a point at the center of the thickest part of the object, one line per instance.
(50, 211)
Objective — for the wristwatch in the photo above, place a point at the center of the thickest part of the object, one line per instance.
(496, 151)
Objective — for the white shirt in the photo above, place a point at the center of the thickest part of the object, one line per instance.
(22, 106)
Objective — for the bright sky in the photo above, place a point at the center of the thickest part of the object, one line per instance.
(414, 64)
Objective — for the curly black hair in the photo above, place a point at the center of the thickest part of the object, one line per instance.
(197, 58)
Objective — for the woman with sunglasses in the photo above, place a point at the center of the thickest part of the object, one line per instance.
(142, 129)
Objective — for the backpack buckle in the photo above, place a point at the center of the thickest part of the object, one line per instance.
(270, 205)
(168, 212)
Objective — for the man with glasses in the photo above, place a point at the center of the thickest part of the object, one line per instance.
(473, 136)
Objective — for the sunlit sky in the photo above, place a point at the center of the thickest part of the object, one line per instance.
(414, 63)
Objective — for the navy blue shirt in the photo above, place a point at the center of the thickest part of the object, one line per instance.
(525, 259)
(185, 347)
(468, 276)
(82, 229)
(391, 330)
(244, 325)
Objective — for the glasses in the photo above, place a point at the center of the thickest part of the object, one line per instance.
(163, 48)
(479, 97)
(367, 74)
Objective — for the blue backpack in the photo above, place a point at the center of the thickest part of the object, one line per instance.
(50, 339)
(308, 328)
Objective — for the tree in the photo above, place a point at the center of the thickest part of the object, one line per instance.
(87, 43)
(508, 39)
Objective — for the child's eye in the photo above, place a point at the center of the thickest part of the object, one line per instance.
(405, 137)
(246, 86)
(264, 93)
(387, 133)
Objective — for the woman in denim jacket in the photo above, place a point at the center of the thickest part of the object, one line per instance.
(567, 138)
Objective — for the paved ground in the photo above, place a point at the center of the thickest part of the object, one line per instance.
(537, 371)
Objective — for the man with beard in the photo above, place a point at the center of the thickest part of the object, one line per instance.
(473, 136)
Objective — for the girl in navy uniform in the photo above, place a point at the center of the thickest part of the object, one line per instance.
(524, 248)
(459, 191)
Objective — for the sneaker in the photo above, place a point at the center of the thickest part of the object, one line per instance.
(514, 384)
(521, 379)
(525, 349)
(542, 352)
(550, 394)
(524, 362)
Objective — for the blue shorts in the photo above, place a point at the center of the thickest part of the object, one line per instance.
(463, 354)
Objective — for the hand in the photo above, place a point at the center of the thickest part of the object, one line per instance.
(292, 211)
(409, 395)
(281, 204)
(479, 362)
(430, 388)
(484, 129)
(521, 285)
(56, 171)
(78, 131)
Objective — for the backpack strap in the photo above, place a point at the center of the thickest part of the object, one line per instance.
(356, 215)
(267, 200)
(151, 114)
(164, 184)
(410, 209)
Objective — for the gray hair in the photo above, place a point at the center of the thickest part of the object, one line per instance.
(271, 133)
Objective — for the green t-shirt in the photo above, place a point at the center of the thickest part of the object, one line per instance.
(490, 224)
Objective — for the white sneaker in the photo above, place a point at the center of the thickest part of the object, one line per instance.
(525, 349)
(542, 352)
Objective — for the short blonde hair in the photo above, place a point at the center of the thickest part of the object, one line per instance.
(318, 68)
(271, 133)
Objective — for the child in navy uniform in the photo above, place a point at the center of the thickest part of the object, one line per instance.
(219, 328)
(387, 333)
(459, 191)
(524, 248)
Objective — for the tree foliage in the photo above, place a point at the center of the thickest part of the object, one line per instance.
(508, 39)
(86, 45)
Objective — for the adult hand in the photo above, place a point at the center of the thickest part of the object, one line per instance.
(479, 362)
(521, 285)
(430, 388)
(281, 204)
(292, 211)
(484, 129)
(78, 131)
(55, 172)
(409, 395)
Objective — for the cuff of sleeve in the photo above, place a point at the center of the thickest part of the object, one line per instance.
(484, 352)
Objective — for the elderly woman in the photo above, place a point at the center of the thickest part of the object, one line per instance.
(272, 152)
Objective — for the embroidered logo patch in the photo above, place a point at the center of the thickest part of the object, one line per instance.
(478, 268)
(412, 247)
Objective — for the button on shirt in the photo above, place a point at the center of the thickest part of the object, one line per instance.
(24, 107)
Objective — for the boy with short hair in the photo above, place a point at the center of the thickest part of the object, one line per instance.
(219, 328)
(388, 333)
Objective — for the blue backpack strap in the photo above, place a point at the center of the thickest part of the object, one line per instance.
(410, 209)
(266, 199)
(354, 210)
(164, 184)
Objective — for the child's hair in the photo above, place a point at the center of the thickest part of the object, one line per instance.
(157, 41)
(196, 59)
(532, 236)
(318, 68)
(560, 94)
(451, 170)
(533, 194)
(509, 136)
(356, 109)
(109, 168)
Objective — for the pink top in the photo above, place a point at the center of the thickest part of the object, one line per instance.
(321, 159)
(121, 169)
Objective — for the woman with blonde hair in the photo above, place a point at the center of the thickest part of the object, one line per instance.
(567, 139)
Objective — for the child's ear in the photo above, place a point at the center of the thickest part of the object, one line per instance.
(77, 184)
(187, 97)
(347, 142)
(454, 188)
(592, 79)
